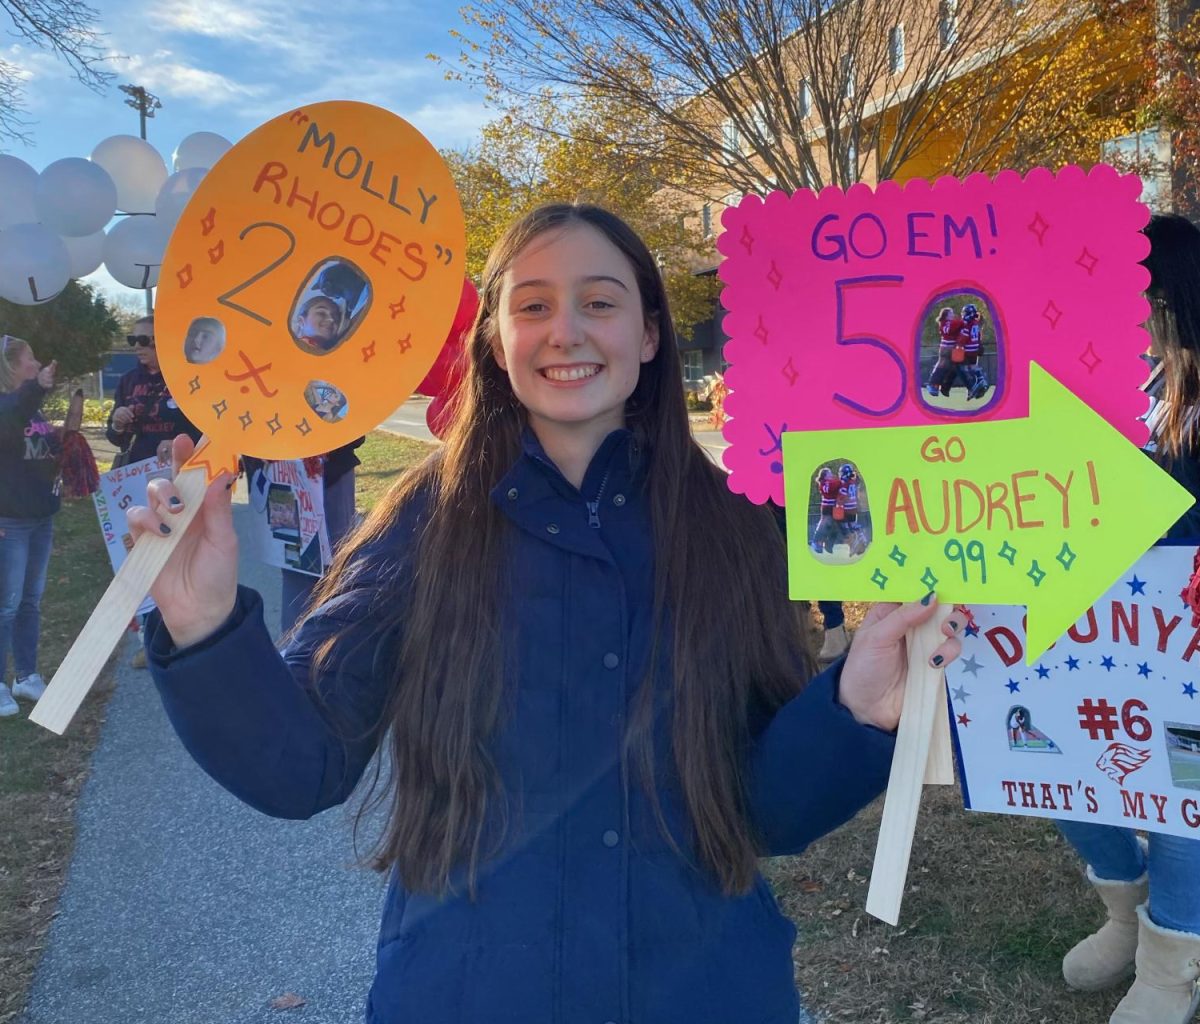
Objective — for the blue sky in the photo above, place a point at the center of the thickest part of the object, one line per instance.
(227, 66)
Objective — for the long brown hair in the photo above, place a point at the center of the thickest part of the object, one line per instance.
(1174, 294)
(736, 642)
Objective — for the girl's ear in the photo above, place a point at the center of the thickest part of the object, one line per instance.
(650, 341)
(498, 352)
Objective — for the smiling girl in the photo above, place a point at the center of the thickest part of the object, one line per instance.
(576, 645)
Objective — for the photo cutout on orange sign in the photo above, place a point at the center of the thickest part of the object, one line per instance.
(331, 304)
(960, 353)
(205, 340)
(839, 517)
(326, 400)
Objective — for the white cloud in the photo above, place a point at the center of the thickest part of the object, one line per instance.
(167, 77)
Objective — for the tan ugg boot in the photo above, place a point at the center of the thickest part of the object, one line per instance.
(1106, 957)
(834, 645)
(1167, 988)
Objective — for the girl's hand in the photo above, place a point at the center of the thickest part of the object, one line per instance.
(876, 669)
(45, 375)
(122, 419)
(197, 587)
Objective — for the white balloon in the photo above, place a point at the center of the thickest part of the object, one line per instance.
(174, 196)
(136, 168)
(86, 253)
(75, 197)
(200, 149)
(133, 251)
(17, 184)
(34, 265)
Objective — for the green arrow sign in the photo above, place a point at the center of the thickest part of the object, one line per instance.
(1046, 511)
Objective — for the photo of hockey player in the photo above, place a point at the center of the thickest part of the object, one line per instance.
(959, 354)
(839, 517)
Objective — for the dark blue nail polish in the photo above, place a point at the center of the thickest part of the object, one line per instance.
(936, 660)
(164, 529)
(175, 502)
(954, 625)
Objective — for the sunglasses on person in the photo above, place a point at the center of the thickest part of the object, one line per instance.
(141, 340)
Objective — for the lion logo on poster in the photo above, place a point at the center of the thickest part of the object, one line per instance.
(1121, 760)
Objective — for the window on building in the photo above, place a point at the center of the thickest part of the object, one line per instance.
(706, 220)
(731, 137)
(693, 366)
(948, 22)
(761, 126)
(851, 158)
(896, 49)
(1146, 154)
(846, 73)
(805, 98)
(733, 198)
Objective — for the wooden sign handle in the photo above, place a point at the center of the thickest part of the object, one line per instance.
(939, 771)
(131, 584)
(908, 770)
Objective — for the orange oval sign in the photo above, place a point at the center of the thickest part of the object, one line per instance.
(310, 282)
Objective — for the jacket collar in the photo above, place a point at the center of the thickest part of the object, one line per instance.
(538, 498)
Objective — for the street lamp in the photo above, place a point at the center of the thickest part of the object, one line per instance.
(145, 103)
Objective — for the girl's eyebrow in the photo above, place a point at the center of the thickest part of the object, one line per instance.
(593, 279)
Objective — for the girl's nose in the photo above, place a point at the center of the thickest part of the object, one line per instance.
(565, 329)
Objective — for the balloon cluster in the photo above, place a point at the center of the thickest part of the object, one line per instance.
(52, 225)
(444, 377)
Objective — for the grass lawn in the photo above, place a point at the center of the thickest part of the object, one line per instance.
(383, 457)
(41, 774)
(992, 904)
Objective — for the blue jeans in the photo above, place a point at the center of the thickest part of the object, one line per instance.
(24, 558)
(339, 519)
(1113, 853)
(832, 612)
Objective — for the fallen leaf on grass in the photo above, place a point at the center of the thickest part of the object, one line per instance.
(287, 1001)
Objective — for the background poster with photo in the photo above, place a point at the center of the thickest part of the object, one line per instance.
(1105, 726)
(118, 490)
(289, 528)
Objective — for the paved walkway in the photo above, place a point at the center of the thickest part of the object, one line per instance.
(184, 905)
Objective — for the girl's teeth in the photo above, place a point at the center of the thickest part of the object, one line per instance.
(575, 373)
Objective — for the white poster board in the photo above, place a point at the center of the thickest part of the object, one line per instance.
(289, 529)
(1105, 727)
(119, 489)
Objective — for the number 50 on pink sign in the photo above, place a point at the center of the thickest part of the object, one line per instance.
(925, 304)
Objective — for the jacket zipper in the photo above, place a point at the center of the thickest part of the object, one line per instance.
(593, 507)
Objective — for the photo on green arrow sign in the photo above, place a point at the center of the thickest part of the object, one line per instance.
(839, 513)
(960, 352)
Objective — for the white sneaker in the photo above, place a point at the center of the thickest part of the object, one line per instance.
(8, 706)
(31, 687)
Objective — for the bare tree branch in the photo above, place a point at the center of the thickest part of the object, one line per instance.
(803, 93)
(65, 28)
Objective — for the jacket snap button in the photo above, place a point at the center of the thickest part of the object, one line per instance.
(611, 660)
(512, 494)
(610, 838)
(552, 528)
(618, 499)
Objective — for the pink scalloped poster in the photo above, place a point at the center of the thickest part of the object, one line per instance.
(925, 304)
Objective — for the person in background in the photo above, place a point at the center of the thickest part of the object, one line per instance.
(340, 517)
(29, 498)
(1151, 889)
(144, 413)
